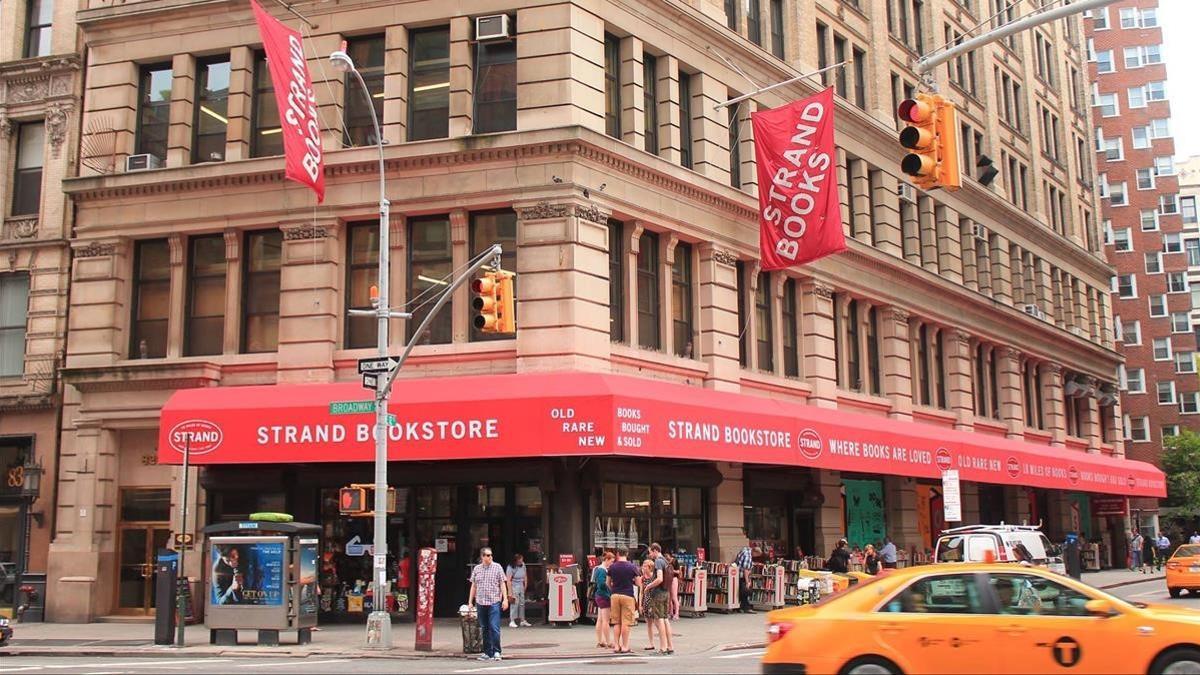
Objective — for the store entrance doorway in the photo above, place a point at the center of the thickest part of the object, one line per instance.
(143, 530)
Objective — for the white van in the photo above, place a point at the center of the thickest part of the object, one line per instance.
(1008, 543)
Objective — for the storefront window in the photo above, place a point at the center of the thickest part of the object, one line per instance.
(143, 505)
(634, 516)
(345, 566)
(497, 227)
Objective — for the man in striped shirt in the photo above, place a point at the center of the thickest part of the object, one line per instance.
(489, 594)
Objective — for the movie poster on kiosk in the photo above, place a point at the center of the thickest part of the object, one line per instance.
(247, 572)
(308, 576)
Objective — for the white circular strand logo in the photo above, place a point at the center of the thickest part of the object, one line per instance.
(195, 437)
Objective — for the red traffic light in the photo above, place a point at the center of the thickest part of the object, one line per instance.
(914, 110)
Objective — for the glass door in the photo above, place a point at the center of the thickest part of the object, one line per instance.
(138, 572)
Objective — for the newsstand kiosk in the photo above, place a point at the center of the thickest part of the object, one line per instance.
(262, 576)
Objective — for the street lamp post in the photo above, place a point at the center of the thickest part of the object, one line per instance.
(379, 623)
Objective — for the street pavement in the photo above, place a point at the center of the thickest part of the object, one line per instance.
(712, 644)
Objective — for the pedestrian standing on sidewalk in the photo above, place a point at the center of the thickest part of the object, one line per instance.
(1148, 549)
(602, 596)
(887, 554)
(643, 582)
(870, 560)
(516, 574)
(621, 575)
(1195, 538)
(744, 560)
(1164, 549)
(839, 560)
(1135, 551)
(489, 595)
(659, 604)
(676, 574)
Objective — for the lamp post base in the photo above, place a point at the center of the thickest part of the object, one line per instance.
(379, 630)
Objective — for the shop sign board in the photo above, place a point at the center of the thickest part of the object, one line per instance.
(951, 496)
(1110, 506)
(584, 414)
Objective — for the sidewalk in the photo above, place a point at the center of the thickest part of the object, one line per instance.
(1116, 578)
(693, 636)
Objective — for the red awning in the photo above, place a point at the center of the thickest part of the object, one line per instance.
(537, 415)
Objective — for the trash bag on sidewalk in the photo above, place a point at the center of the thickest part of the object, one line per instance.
(471, 633)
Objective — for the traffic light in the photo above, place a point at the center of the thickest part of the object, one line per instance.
(932, 135)
(494, 302)
(352, 500)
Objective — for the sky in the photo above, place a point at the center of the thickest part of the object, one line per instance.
(1179, 19)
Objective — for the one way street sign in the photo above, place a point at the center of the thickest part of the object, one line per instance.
(377, 365)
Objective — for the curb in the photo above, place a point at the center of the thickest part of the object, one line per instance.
(1135, 582)
(170, 652)
(740, 645)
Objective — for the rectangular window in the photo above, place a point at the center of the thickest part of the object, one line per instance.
(1141, 137)
(1156, 91)
(266, 134)
(204, 332)
(260, 301)
(735, 150)
(1164, 166)
(1117, 195)
(495, 227)
(823, 52)
(616, 280)
(1129, 18)
(39, 15)
(681, 301)
(1139, 429)
(1133, 58)
(1145, 179)
(685, 119)
(1104, 62)
(1166, 393)
(753, 22)
(860, 78)
(1122, 241)
(429, 267)
(362, 272)
(151, 299)
(14, 314)
(731, 16)
(1172, 243)
(1126, 286)
(1153, 262)
(1168, 204)
(647, 291)
(1185, 362)
(841, 84)
(612, 85)
(1162, 349)
(1180, 322)
(27, 175)
(743, 352)
(367, 53)
(1109, 107)
(1148, 220)
(429, 84)
(1189, 403)
(1131, 333)
(1177, 282)
(154, 111)
(1136, 96)
(1100, 18)
(211, 120)
(763, 325)
(791, 331)
(777, 28)
(495, 86)
(1187, 206)
(650, 101)
(1135, 381)
(1158, 306)
(1193, 252)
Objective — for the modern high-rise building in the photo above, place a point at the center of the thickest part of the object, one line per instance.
(40, 80)
(1140, 211)
(660, 386)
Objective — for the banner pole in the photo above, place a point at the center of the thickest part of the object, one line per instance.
(777, 85)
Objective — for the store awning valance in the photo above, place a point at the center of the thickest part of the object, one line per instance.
(586, 414)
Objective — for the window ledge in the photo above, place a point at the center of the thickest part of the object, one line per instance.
(934, 416)
(1039, 436)
(656, 361)
(772, 383)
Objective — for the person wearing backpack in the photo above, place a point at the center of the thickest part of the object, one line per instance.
(659, 603)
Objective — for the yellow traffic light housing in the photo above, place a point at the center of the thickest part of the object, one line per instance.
(494, 302)
(352, 500)
(932, 135)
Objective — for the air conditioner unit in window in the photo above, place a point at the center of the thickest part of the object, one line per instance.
(493, 27)
(1075, 390)
(143, 162)
(907, 192)
(979, 231)
(1035, 311)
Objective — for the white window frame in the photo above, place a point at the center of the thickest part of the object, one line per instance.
(1152, 14)
(1152, 216)
(1123, 191)
(1172, 277)
(1172, 242)
(1165, 123)
(1187, 323)
(1164, 166)
(1142, 425)
(1100, 19)
(1128, 17)
(1155, 91)
(1147, 137)
(1189, 396)
(1162, 342)
(1132, 286)
(1174, 400)
(1174, 430)
(1123, 244)
(1134, 62)
(1139, 380)
(1168, 205)
(1161, 313)
(1188, 362)
(1136, 97)
(1133, 329)
(1148, 175)
(1154, 257)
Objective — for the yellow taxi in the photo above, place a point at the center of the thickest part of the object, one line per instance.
(1183, 570)
(980, 618)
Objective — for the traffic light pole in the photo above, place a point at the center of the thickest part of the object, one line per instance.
(925, 65)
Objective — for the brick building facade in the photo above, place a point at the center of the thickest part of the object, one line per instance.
(1143, 226)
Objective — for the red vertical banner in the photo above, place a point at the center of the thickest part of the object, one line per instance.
(800, 217)
(296, 100)
(426, 578)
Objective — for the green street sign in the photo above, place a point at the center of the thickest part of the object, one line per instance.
(391, 420)
(351, 407)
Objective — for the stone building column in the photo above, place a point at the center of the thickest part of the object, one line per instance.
(718, 320)
(749, 332)
(231, 340)
(830, 525)
(632, 248)
(666, 258)
(900, 502)
(669, 139)
(927, 222)
(960, 390)
(859, 181)
(395, 84)
(183, 99)
(816, 324)
(99, 334)
(633, 104)
(1012, 405)
(1053, 407)
(1091, 420)
(970, 257)
(886, 232)
(563, 266)
(727, 523)
(949, 244)
(238, 138)
(567, 41)
(1002, 274)
(896, 361)
(309, 306)
(462, 77)
(117, 107)
(711, 127)
(745, 136)
(176, 298)
(1116, 429)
